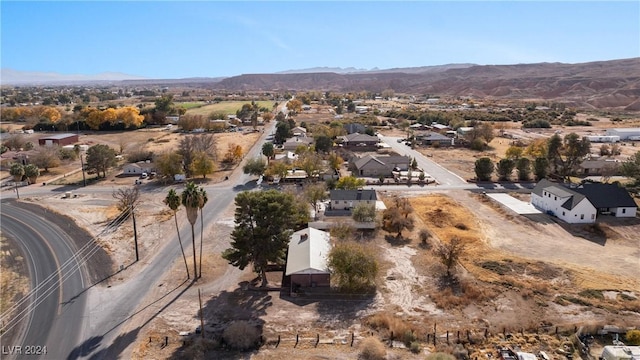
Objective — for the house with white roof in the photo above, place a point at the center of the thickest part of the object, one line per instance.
(307, 258)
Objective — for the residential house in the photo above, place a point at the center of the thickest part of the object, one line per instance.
(440, 127)
(293, 143)
(138, 168)
(376, 166)
(349, 199)
(431, 138)
(354, 128)
(464, 130)
(599, 167)
(609, 199)
(567, 204)
(299, 131)
(360, 142)
(307, 259)
(418, 126)
(58, 139)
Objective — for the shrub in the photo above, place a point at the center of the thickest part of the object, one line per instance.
(440, 356)
(415, 347)
(633, 337)
(424, 236)
(372, 349)
(539, 123)
(461, 226)
(241, 335)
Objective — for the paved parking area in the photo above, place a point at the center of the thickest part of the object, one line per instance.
(514, 204)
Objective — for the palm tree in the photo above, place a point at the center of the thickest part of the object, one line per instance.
(190, 199)
(203, 201)
(173, 202)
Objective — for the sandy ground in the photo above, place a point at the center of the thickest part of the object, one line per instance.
(408, 281)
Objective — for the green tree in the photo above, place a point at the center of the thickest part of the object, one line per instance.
(633, 337)
(17, 171)
(540, 168)
(565, 155)
(264, 222)
(353, 266)
(164, 104)
(631, 167)
(364, 212)
(323, 143)
(523, 165)
(414, 163)
(398, 216)
(277, 169)
(191, 199)
(283, 132)
(255, 166)
(314, 194)
(483, 169)
(31, 172)
(268, 150)
(505, 168)
(100, 158)
(202, 164)
(350, 183)
(173, 202)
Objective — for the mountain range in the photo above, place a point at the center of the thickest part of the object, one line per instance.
(611, 84)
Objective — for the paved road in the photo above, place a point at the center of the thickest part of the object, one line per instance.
(442, 175)
(110, 308)
(53, 316)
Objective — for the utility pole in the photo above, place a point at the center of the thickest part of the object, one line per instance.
(135, 232)
(84, 179)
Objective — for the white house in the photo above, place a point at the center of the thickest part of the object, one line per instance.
(299, 131)
(568, 205)
(307, 258)
(609, 199)
(139, 168)
(349, 199)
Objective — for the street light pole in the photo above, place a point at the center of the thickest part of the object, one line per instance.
(84, 180)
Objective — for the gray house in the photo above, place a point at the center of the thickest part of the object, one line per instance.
(376, 166)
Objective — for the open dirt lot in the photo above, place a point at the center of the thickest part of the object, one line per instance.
(516, 273)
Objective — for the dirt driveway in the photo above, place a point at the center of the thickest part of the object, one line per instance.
(598, 264)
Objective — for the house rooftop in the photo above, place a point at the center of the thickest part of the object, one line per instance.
(308, 252)
(58, 136)
(354, 195)
(606, 195)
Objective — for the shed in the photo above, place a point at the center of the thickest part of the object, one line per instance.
(58, 139)
(307, 258)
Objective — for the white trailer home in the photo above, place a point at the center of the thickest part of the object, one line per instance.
(603, 138)
(623, 133)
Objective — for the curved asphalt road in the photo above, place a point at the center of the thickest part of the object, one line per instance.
(54, 314)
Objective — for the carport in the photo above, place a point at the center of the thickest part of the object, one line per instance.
(519, 206)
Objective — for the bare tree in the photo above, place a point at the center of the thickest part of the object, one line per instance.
(450, 252)
(127, 201)
(46, 157)
(15, 142)
(190, 145)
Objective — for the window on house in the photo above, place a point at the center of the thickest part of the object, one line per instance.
(593, 216)
(563, 213)
(555, 198)
(624, 211)
(581, 216)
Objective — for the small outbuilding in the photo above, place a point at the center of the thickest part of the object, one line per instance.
(307, 258)
(58, 139)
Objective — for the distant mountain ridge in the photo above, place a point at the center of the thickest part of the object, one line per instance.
(16, 77)
(600, 84)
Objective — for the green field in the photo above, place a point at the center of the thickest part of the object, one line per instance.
(227, 107)
(191, 105)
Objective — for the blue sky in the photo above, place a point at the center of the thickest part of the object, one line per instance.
(161, 39)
